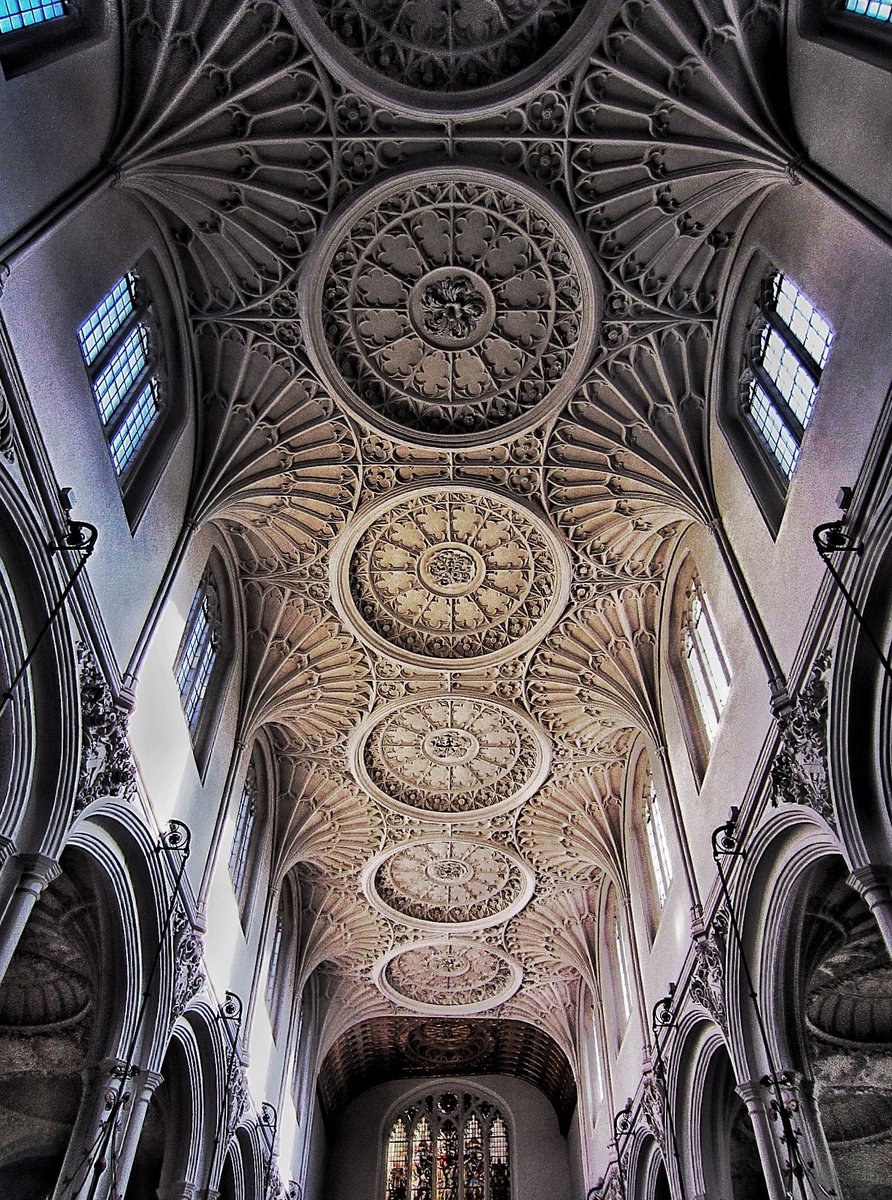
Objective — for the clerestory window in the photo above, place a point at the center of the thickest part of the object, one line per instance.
(705, 663)
(21, 14)
(199, 654)
(240, 850)
(119, 345)
(448, 1146)
(877, 10)
(788, 347)
(657, 842)
(622, 967)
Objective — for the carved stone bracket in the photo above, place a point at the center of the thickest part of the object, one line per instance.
(799, 773)
(189, 974)
(107, 767)
(707, 984)
(653, 1107)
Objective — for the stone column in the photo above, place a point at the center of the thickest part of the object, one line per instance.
(755, 1096)
(872, 884)
(800, 1095)
(142, 1088)
(35, 871)
(93, 1141)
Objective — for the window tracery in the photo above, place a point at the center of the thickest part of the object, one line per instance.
(448, 1146)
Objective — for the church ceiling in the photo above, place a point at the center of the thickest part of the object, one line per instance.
(452, 273)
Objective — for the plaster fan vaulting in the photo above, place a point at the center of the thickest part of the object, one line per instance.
(451, 426)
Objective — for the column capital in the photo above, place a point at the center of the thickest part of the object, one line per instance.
(37, 870)
(870, 879)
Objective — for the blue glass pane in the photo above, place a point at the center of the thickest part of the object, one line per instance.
(18, 14)
(136, 425)
(880, 10)
(112, 385)
(105, 320)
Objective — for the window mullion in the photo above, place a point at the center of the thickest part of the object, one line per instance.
(789, 418)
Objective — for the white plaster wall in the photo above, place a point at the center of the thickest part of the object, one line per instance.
(540, 1154)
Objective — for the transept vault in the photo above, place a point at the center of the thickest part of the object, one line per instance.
(455, 453)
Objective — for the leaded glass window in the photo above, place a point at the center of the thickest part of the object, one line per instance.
(21, 14)
(706, 665)
(244, 828)
(198, 651)
(448, 1146)
(657, 842)
(118, 344)
(878, 10)
(788, 348)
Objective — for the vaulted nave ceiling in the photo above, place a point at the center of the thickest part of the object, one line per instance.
(453, 308)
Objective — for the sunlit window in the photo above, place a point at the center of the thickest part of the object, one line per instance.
(448, 1146)
(657, 842)
(706, 665)
(198, 651)
(788, 348)
(20, 14)
(118, 345)
(625, 985)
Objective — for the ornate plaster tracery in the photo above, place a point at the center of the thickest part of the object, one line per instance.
(438, 47)
(450, 577)
(451, 306)
(454, 754)
(454, 976)
(462, 883)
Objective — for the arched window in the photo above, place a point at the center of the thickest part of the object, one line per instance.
(272, 971)
(788, 346)
(707, 668)
(448, 1146)
(120, 347)
(199, 652)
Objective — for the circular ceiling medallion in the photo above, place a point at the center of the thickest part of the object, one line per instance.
(461, 882)
(451, 976)
(458, 755)
(451, 307)
(451, 578)
(445, 54)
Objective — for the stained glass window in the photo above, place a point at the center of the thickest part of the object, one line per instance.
(447, 1147)
(198, 651)
(20, 14)
(789, 345)
(118, 346)
(707, 668)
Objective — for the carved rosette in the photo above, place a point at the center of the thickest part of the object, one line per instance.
(447, 1045)
(450, 976)
(453, 577)
(457, 754)
(451, 307)
(463, 883)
